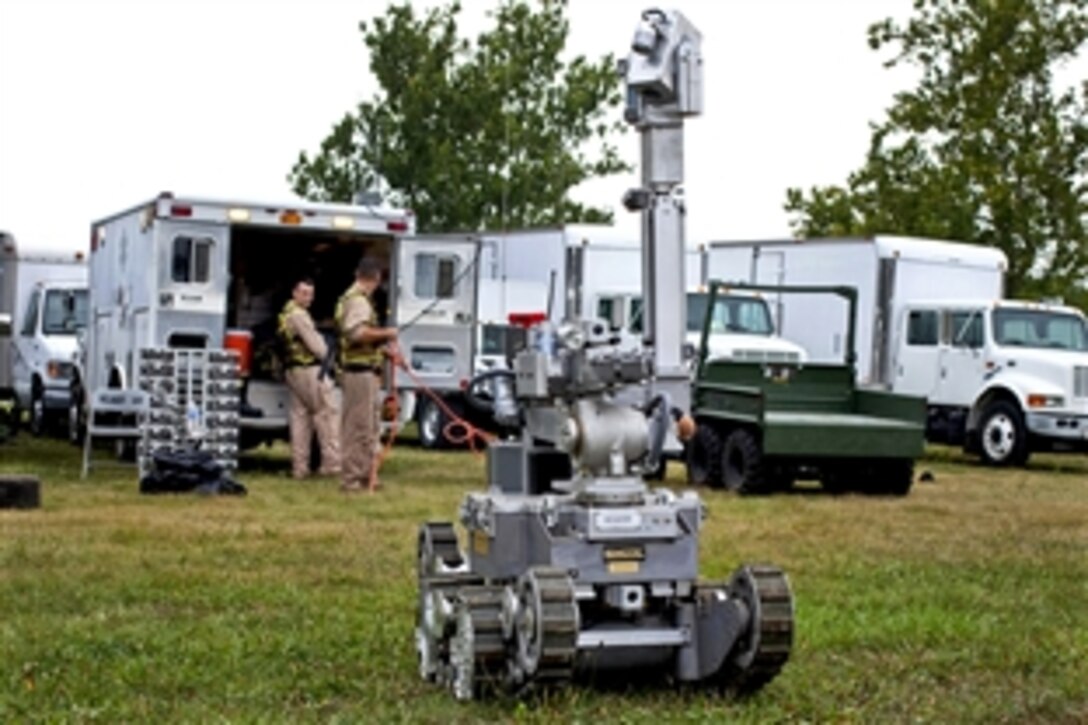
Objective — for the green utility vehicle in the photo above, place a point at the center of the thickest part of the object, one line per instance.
(763, 425)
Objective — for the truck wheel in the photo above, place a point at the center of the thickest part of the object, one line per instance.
(742, 463)
(37, 412)
(432, 422)
(76, 422)
(1003, 439)
(124, 450)
(895, 477)
(704, 457)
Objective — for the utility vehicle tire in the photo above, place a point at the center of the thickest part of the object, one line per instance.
(20, 492)
(704, 457)
(894, 477)
(743, 469)
(1003, 436)
(432, 422)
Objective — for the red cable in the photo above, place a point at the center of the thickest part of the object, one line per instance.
(470, 437)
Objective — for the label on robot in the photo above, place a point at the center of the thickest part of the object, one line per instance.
(617, 521)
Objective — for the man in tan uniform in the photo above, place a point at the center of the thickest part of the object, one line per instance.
(312, 404)
(361, 353)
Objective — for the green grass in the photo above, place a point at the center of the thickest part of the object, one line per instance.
(966, 601)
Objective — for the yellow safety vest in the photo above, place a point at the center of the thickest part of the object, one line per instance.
(356, 354)
(297, 352)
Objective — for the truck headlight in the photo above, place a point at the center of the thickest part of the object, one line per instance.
(58, 369)
(1039, 400)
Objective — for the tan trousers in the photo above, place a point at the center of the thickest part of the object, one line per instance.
(360, 427)
(313, 408)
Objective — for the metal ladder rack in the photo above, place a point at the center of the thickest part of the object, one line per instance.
(193, 401)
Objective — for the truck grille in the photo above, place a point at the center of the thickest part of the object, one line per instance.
(766, 356)
(1080, 381)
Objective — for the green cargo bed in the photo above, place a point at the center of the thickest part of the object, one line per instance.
(811, 410)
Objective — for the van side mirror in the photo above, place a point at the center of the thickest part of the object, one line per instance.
(5, 324)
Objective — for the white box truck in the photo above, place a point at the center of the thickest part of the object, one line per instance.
(1002, 378)
(520, 268)
(193, 273)
(45, 295)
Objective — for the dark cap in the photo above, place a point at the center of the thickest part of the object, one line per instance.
(369, 268)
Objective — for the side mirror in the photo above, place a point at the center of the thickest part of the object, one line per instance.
(5, 324)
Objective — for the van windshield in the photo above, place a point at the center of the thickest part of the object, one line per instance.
(1039, 328)
(65, 312)
(739, 314)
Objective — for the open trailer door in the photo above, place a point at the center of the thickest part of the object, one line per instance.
(435, 308)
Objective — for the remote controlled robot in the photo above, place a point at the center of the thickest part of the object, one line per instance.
(573, 567)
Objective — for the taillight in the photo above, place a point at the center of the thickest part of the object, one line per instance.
(527, 319)
(182, 210)
(397, 225)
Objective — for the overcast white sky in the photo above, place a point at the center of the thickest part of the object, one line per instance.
(104, 103)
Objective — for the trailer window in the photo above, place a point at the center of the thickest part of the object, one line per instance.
(436, 275)
(31, 320)
(922, 328)
(433, 360)
(192, 259)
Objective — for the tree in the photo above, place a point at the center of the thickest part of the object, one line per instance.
(491, 134)
(984, 150)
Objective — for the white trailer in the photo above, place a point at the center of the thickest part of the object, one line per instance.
(192, 273)
(1001, 377)
(45, 295)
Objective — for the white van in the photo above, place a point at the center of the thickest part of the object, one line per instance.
(45, 294)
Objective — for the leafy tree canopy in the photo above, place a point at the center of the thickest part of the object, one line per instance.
(985, 149)
(487, 134)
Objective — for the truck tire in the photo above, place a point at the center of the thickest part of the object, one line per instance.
(432, 422)
(704, 457)
(124, 450)
(1002, 435)
(743, 469)
(38, 420)
(76, 421)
